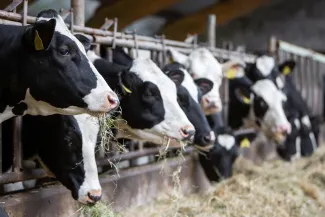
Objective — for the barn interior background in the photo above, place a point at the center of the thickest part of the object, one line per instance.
(239, 26)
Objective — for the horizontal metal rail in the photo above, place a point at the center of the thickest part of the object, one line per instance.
(6, 178)
(127, 40)
(303, 52)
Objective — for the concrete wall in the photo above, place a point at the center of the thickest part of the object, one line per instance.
(301, 22)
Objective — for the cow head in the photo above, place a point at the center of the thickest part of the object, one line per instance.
(207, 73)
(150, 111)
(217, 163)
(263, 102)
(188, 97)
(66, 148)
(59, 77)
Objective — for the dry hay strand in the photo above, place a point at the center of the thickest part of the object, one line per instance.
(100, 209)
(277, 188)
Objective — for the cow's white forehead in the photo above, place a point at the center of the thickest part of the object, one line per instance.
(265, 64)
(268, 91)
(189, 84)
(147, 70)
(226, 141)
(62, 28)
(204, 65)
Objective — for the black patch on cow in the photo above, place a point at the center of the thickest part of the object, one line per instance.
(195, 115)
(141, 109)
(19, 109)
(191, 108)
(57, 141)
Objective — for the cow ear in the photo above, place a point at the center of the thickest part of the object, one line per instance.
(244, 140)
(243, 95)
(204, 84)
(287, 67)
(177, 76)
(178, 57)
(85, 41)
(41, 34)
(233, 69)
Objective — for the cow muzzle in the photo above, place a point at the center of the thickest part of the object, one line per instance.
(187, 133)
(111, 102)
(210, 106)
(92, 197)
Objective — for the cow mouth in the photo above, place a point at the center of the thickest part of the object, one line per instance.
(204, 148)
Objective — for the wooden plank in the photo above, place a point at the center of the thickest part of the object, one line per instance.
(128, 11)
(225, 12)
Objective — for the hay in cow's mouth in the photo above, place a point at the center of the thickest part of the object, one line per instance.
(99, 209)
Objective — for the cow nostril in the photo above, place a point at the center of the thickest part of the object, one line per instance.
(187, 132)
(207, 139)
(113, 101)
(94, 198)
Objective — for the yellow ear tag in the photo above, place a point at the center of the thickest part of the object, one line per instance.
(126, 89)
(286, 70)
(231, 73)
(38, 42)
(246, 99)
(245, 143)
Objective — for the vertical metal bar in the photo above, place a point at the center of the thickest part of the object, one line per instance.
(164, 53)
(114, 33)
(71, 19)
(211, 30)
(273, 47)
(135, 43)
(25, 12)
(17, 144)
(79, 12)
(1, 149)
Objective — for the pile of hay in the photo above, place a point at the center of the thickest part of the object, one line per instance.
(275, 189)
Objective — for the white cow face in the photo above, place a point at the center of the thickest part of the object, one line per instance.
(201, 64)
(174, 124)
(268, 108)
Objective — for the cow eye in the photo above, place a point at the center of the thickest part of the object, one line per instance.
(64, 51)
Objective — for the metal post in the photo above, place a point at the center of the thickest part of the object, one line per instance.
(17, 144)
(79, 12)
(273, 48)
(211, 30)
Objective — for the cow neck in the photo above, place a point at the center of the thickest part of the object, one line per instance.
(12, 92)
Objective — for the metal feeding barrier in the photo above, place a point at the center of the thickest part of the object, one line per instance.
(308, 74)
(157, 46)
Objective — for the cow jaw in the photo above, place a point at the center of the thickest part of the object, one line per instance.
(89, 128)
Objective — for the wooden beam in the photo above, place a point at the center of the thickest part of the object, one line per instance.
(128, 11)
(225, 12)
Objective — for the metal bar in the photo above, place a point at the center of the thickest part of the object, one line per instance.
(135, 43)
(107, 24)
(244, 131)
(25, 12)
(137, 154)
(211, 30)
(1, 149)
(304, 52)
(6, 178)
(17, 144)
(72, 20)
(79, 12)
(13, 5)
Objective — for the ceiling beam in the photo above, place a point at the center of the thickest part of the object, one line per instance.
(128, 11)
(225, 12)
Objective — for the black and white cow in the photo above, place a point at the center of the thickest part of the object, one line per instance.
(189, 97)
(202, 65)
(45, 70)
(258, 105)
(302, 141)
(150, 111)
(217, 163)
(65, 147)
